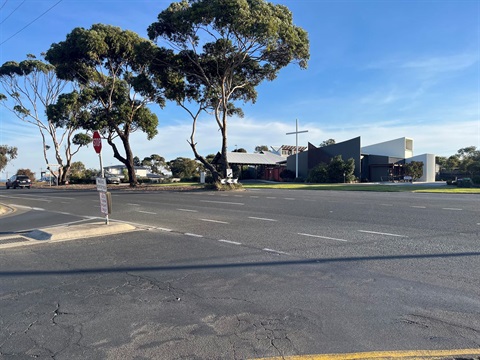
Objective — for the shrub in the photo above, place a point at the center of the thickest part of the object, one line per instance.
(287, 175)
(465, 183)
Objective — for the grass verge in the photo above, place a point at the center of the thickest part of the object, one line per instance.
(365, 187)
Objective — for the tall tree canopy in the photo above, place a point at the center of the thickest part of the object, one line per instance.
(32, 86)
(7, 154)
(111, 66)
(224, 49)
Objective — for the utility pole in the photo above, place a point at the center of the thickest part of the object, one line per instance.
(296, 132)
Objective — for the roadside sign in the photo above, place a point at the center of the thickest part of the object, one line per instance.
(105, 202)
(101, 184)
(97, 142)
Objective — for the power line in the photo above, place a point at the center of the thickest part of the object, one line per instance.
(12, 11)
(5, 3)
(31, 22)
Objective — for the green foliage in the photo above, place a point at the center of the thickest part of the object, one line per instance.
(112, 66)
(27, 172)
(184, 168)
(414, 169)
(226, 49)
(327, 142)
(337, 171)
(240, 150)
(319, 174)
(287, 175)
(465, 183)
(77, 169)
(31, 86)
(155, 162)
(260, 148)
(7, 154)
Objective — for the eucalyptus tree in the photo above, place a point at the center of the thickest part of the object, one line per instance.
(7, 154)
(224, 49)
(31, 86)
(111, 66)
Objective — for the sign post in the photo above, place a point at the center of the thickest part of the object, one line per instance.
(105, 198)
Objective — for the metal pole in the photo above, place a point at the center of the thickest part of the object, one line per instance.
(296, 148)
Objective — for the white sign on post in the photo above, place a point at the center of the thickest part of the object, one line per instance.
(101, 184)
(103, 202)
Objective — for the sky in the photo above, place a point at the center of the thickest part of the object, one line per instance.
(379, 69)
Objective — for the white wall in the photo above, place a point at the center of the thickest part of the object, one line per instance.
(401, 148)
(428, 166)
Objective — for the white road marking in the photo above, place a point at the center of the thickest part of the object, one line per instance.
(187, 210)
(215, 221)
(133, 204)
(289, 198)
(380, 233)
(230, 242)
(275, 251)
(194, 235)
(259, 218)
(146, 212)
(64, 213)
(453, 209)
(271, 197)
(418, 207)
(322, 237)
(163, 229)
(222, 202)
(254, 197)
(238, 195)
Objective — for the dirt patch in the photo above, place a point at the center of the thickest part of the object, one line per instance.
(124, 187)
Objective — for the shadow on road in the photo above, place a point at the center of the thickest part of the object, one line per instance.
(105, 270)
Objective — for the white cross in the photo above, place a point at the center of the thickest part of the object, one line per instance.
(296, 132)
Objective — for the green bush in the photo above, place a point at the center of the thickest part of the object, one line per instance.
(476, 179)
(287, 175)
(465, 183)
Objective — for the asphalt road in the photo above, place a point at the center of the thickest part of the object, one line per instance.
(242, 275)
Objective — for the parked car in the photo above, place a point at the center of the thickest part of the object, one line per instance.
(18, 181)
(112, 179)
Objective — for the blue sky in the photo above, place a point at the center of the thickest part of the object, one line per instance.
(379, 69)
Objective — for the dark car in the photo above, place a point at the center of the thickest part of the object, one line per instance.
(18, 181)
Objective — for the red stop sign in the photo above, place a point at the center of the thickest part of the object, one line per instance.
(97, 142)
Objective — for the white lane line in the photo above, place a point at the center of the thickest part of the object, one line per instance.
(271, 197)
(230, 242)
(194, 235)
(453, 209)
(133, 204)
(215, 221)
(187, 210)
(380, 233)
(147, 212)
(289, 198)
(275, 251)
(237, 195)
(254, 197)
(259, 218)
(221, 202)
(64, 213)
(322, 237)
(418, 207)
